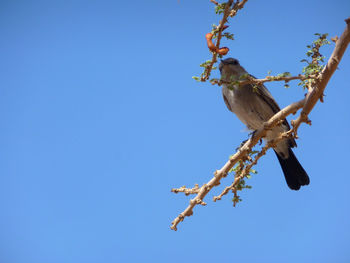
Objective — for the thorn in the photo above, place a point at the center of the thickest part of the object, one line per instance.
(334, 39)
(321, 98)
(218, 183)
(224, 27)
(215, 198)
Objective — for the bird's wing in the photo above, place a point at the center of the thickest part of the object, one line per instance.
(226, 102)
(266, 96)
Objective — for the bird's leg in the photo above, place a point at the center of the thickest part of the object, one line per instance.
(243, 142)
(241, 145)
(252, 135)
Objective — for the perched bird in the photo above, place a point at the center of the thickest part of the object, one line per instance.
(254, 105)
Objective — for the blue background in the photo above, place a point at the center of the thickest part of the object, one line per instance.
(100, 119)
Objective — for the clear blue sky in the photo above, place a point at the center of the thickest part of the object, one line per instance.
(100, 119)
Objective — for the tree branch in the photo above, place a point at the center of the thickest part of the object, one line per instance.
(246, 170)
(243, 151)
(322, 81)
(314, 94)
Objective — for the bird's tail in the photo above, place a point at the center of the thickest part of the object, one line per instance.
(293, 171)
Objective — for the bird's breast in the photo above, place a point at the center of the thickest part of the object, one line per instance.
(246, 106)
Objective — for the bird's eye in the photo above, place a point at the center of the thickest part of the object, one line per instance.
(235, 62)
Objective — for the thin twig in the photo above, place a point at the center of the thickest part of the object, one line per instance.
(238, 5)
(260, 81)
(186, 191)
(227, 12)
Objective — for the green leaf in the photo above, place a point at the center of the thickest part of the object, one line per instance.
(205, 64)
(244, 76)
(219, 9)
(228, 35)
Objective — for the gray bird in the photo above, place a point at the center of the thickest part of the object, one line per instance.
(254, 106)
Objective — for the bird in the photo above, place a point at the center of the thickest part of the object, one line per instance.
(254, 105)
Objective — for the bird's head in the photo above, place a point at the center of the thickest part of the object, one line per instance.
(230, 67)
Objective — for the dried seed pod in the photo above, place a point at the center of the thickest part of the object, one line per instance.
(212, 47)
